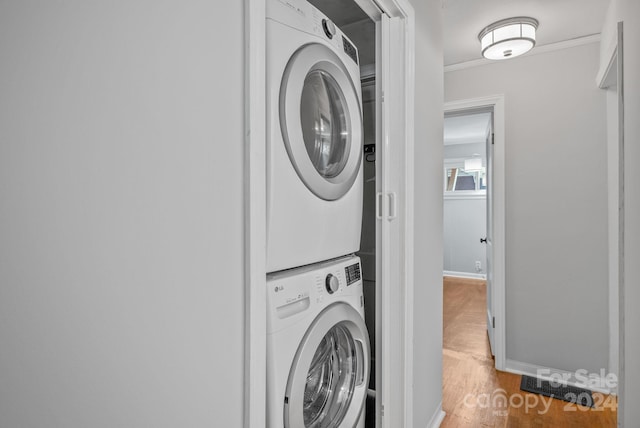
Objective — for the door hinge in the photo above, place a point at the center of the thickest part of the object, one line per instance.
(493, 138)
(493, 322)
(382, 410)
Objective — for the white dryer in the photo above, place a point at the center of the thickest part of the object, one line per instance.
(314, 147)
(317, 346)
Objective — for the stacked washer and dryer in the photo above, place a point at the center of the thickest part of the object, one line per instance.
(318, 351)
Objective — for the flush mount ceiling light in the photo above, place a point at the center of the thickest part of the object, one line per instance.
(508, 38)
(473, 164)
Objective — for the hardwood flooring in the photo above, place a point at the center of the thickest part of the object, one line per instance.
(475, 394)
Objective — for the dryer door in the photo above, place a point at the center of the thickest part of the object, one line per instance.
(321, 121)
(327, 384)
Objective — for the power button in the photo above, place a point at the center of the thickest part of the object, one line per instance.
(329, 28)
(331, 283)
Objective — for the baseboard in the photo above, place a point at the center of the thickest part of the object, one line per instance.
(464, 274)
(437, 417)
(595, 383)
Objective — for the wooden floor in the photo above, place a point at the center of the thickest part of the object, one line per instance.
(476, 395)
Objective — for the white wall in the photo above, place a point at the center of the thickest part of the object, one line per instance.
(465, 222)
(456, 151)
(631, 411)
(428, 212)
(121, 258)
(556, 204)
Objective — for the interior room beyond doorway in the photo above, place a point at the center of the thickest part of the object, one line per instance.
(465, 193)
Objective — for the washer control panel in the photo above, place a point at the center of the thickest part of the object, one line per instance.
(300, 292)
(332, 283)
(352, 273)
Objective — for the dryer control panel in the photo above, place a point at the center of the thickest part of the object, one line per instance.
(349, 49)
(325, 27)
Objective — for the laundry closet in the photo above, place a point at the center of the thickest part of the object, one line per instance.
(348, 16)
(320, 215)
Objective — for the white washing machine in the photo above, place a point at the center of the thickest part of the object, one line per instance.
(314, 147)
(318, 350)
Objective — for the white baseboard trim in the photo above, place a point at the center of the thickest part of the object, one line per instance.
(464, 274)
(437, 417)
(594, 383)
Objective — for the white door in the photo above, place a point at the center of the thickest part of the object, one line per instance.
(328, 381)
(321, 121)
(489, 239)
(392, 220)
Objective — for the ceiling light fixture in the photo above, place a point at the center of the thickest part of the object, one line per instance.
(508, 38)
(473, 164)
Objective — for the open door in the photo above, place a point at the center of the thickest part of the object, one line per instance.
(384, 336)
(393, 220)
(491, 320)
(382, 50)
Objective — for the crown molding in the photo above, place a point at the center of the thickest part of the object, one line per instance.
(566, 44)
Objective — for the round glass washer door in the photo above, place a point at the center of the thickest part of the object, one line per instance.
(321, 121)
(327, 384)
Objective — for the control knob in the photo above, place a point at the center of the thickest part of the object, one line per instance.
(332, 284)
(329, 28)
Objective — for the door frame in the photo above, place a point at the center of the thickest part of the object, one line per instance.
(398, 410)
(611, 78)
(496, 102)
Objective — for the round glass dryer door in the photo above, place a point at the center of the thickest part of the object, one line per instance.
(321, 121)
(328, 380)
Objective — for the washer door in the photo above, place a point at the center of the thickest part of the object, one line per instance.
(321, 121)
(327, 384)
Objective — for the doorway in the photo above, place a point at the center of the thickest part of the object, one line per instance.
(465, 192)
(394, 40)
(491, 110)
(611, 80)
